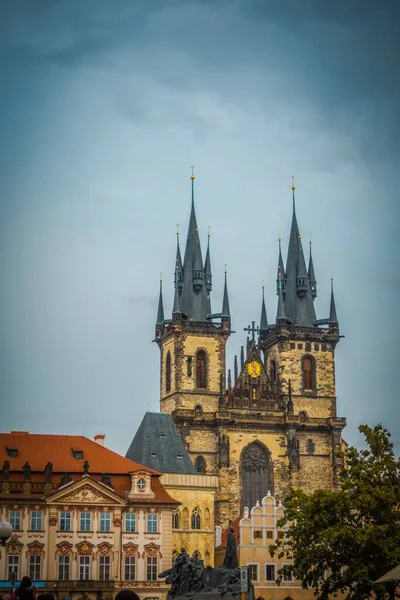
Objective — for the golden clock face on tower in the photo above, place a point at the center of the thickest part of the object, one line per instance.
(254, 368)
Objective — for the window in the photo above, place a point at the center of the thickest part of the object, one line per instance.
(36, 520)
(15, 519)
(78, 454)
(84, 567)
(104, 568)
(168, 373)
(130, 568)
(270, 535)
(310, 447)
(63, 568)
(273, 370)
(258, 534)
(130, 522)
(13, 567)
(198, 410)
(256, 474)
(151, 574)
(12, 452)
(176, 517)
(286, 576)
(65, 521)
(105, 521)
(34, 567)
(201, 369)
(200, 464)
(270, 573)
(308, 373)
(141, 485)
(196, 518)
(152, 523)
(84, 521)
(253, 572)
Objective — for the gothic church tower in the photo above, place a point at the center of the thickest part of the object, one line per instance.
(273, 424)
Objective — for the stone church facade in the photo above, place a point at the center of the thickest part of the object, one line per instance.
(271, 424)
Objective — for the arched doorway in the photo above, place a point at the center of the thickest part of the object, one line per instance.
(256, 474)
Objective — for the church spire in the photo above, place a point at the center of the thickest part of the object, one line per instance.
(178, 263)
(280, 313)
(299, 306)
(194, 301)
(176, 308)
(263, 319)
(207, 271)
(333, 320)
(225, 302)
(311, 274)
(160, 311)
(281, 269)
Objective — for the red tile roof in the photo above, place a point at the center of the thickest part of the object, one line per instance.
(38, 449)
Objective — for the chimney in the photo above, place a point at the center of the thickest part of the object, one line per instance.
(99, 438)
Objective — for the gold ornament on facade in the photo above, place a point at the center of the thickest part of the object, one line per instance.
(254, 369)
(14, 546)
(130, 549)
(152, 550)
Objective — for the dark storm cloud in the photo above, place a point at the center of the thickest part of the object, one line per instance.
(104, 105)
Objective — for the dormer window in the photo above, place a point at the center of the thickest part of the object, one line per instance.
(141, 485)
(78, 454)
(12, 452)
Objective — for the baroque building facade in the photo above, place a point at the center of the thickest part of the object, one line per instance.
(272, 423)
(87, 521)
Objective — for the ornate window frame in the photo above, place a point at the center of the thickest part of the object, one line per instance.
(313, 390)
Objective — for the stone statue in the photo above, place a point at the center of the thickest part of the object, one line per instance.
(106, 479)
(27, 471)
(86, 468)
(6, 470)
(66, 478)
(231, 559)
(48, 471)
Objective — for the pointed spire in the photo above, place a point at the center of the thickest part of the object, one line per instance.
(280, 313)
(332, 312)
(178, 263)
(235, 369)
(299, 306)
(194, 300)
(294, 201)
(207, 264)
(225, 302)
(229, 379)
(263, 319)
(160, 311)
(176, 309)
(311, 274)
(281, 268)
(241, 358)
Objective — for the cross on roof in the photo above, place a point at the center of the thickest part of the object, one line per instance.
(253, 329)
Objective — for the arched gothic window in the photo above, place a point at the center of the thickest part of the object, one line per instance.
(309, 373)
(176, 519)
(200, 464)
(273, 370)
(256, 474)
(168, 373)
(201, 369)
(196, 518)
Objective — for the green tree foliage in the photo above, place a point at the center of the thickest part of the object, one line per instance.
(344, 540)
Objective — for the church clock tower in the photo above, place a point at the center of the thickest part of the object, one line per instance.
(272, 423)
(192, 344)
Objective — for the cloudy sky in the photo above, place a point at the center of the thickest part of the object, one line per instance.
(104, 107)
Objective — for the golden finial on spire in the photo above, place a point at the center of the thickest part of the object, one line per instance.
(225, 271)
(177, 229)
(279, 235)
(209, 231)
(262, 287)
(160, 277)
(310, 241)
(192, 176)
(293, 186)
(177, 264)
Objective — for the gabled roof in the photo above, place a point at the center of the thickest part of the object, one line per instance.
(158, 445)
(39, 449)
